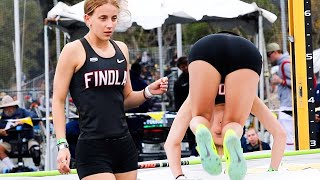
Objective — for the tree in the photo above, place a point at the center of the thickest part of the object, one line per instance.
(7, 64)
(316, 23)
(31, 40)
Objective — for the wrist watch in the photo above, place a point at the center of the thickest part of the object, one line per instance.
(62, 146)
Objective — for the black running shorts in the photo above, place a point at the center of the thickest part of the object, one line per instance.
(227, 53)
(114, 155)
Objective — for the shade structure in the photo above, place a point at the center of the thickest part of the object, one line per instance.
(155, 13)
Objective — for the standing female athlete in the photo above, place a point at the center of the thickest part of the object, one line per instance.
(95, 70)
(236, 62)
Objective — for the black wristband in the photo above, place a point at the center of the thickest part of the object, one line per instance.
(179, 176)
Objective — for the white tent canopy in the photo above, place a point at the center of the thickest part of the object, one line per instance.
(215, 8)
(152, 14)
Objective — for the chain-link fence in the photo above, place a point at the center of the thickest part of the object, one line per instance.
(30, 27)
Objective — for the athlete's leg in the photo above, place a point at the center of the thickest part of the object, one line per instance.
(100, 176)
(204, 83)
(240, 91)
(131, 175)
(239, 99)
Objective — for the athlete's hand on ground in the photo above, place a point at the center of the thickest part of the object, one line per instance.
(63, 161)
(159, 87)
(185, 178)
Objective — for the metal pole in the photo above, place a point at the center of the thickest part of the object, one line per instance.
(179, 40)
(17, 51)
(265, 70)
(68, 96)
(58, 45)
(261, 87)
(47, 97)
(23, 31)
(283, 25)
(58, 52)
(159, 33)
(179, 43)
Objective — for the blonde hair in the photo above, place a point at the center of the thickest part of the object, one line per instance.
(124, 16)
(91, 5)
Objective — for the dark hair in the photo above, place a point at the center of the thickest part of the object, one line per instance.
(183, 60)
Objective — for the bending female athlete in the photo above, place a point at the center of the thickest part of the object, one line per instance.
(236, 63)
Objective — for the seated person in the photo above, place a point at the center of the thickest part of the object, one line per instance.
(11, 110)
(255, 144)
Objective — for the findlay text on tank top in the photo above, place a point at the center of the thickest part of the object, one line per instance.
(98, 71)
(97, 91)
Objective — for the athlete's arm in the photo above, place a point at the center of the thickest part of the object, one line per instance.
(177, 131)
(133, 99)
(68, 61)
(268, 120)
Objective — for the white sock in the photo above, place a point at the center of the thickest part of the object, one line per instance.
(7, 161)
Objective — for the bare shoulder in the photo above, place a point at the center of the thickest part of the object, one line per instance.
(122, 45)
(124, 48)
(73, 52)
(73, 47)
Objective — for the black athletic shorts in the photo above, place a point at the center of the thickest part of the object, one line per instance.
(114, 155)
(227, 53)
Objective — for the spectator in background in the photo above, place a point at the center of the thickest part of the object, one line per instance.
(167, 70)
(174, 59)
(255, 144)
(146, 59)
(135, 123)
(138, 84)
(11, 110)
(317, 113)
(138, 58)
(181, 86)
(146, 74)
(27, 101)
(283, 81)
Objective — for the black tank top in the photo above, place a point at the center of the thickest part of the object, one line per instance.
(97, 91)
